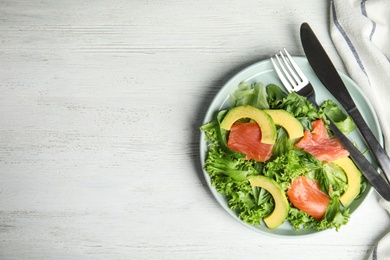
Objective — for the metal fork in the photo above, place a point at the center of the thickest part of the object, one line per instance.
(292, 77)
(294, 80)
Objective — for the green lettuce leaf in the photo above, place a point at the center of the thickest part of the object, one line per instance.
(334, 217)
(341, 120)
(282, 144)
(246, 94)
(218, 136)
(332, 178)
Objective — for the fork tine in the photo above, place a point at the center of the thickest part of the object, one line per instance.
(301, 85)
(285, 82)
(287, 63)
(286, 74)
(296, 68)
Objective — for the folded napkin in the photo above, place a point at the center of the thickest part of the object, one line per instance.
(382, 250)
(360, 30)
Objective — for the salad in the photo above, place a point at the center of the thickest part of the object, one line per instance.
(274, 159)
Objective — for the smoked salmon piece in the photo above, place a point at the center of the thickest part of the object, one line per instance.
(320, 145)
(245, 138)
(306, 195)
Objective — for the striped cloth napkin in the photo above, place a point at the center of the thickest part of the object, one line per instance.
(360, 30)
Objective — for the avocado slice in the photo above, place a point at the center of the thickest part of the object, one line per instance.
(353, 177)
(280, 212)
(265, 122)
(283, 118)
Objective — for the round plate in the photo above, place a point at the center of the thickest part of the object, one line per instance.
(263, 72)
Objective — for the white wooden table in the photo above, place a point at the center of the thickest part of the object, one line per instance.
(100, 106)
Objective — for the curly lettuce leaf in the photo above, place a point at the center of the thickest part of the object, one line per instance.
(299, 219)
(229, 176)
(293, 103)
(285, 168)
(219, 162)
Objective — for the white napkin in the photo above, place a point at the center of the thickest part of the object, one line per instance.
(382, 250)
(360, 30)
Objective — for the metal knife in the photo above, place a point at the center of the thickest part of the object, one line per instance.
(328, 75)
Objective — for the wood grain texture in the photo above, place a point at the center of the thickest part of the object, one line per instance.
(100, 107)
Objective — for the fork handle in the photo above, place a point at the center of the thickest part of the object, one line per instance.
(377, 150)
(376, 180)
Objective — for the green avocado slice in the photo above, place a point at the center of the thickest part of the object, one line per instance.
(265, 122)
(283, 118)
(353, 177)
(280, 212)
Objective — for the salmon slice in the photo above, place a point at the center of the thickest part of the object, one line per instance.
(306, 195)
(320, 145)
(245, 138)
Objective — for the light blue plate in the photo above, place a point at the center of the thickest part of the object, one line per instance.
(263, 72)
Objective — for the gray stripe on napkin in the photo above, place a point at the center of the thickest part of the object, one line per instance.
(348, 41)
(364, 12)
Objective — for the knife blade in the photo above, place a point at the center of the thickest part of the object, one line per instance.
(328, 75)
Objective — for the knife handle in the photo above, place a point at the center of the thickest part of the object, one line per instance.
(377, 181)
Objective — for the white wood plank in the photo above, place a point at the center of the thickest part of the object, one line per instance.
(100, 107)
